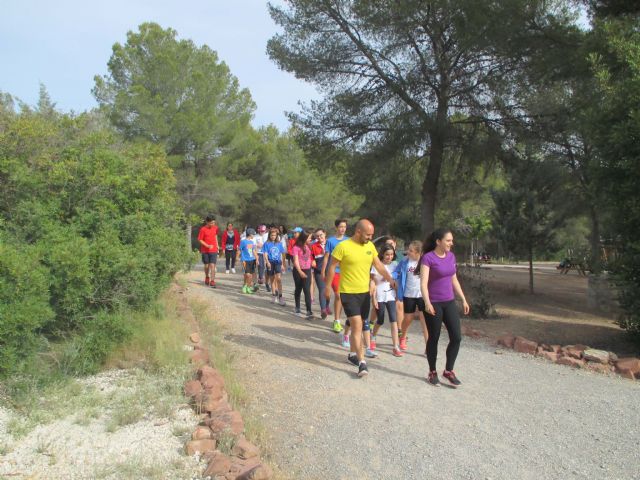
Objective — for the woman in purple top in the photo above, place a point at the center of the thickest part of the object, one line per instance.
(438, 282)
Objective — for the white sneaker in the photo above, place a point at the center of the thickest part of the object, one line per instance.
(273, 299)
(233, 270)
(226, 271)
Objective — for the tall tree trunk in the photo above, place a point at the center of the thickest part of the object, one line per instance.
(436, 156)
(594, 241)
(531, 269)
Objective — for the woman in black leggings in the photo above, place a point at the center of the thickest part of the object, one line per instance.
(302, 259)
(438, 282)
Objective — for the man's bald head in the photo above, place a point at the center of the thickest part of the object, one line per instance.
(364, 231)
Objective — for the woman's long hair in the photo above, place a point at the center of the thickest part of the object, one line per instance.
(430, 242)
(302, 239)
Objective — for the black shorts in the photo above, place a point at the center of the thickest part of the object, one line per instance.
(209, 258)
(250, 266)
(411, 304)
(276, 267)
(355, 304)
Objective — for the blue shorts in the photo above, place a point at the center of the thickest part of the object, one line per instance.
(276, 267)
(209, 258)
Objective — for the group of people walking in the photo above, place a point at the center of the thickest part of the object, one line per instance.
(401, 286)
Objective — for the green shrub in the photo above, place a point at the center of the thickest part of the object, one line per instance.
(87, 349)
(24, 303)
(95, 230)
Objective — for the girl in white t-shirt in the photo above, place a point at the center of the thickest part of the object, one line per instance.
(408, 283)
(384, 298)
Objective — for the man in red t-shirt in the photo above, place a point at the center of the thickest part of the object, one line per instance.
(208, 238)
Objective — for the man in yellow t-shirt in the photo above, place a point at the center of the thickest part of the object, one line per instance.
(355, 257)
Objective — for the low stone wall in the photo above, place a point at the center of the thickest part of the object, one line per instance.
(578, 356)
(220, 424)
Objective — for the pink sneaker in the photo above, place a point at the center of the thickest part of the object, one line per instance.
(372, 344)
(397, 352)
(403, 343)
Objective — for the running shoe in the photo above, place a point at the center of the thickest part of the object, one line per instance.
(282, 302)
(433, 379)
(370, 353)
(296, 311)
(337, 326)
(206, 280)
(403, 343)
(255, 288)
(397, 352)
(345, 341)
(353, 358)
(329, 312)
(372, 344)
(213, 283)
(233, 270)
(274, 299)
(323, 313)
(260, 281)
(226, 271)
(363, 371)
(453, 380)
(244, 289)
(309, 316)
(268, 287)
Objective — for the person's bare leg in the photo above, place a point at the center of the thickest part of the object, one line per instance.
(356, 337)
(394, 333)
(337, 306)
(406, 324)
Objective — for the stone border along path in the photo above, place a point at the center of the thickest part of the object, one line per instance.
(219, 422)
(516, 416)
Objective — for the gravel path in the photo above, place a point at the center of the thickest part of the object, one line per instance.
(516, 417)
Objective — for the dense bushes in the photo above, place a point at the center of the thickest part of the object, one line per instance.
(89, 227)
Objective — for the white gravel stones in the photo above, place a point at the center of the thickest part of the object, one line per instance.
(64, 449)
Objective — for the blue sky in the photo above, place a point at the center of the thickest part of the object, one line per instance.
(64, 43)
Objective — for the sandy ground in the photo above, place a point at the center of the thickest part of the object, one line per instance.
(557, 312)
(515, 416)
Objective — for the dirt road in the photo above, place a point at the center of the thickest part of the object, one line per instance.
(514, 417)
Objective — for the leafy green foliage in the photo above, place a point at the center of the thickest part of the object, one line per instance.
(90, 227)
(525, 218)
(24, 302)
(616, 66)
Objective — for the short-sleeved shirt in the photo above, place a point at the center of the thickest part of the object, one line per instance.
(355, 265)
(304, 256)
(261, 239)
(246, 249)
(384, 292)
(274, 251)
(412, 285)
(317, 250)
(331, 245)
(209, 235)
(441, 272)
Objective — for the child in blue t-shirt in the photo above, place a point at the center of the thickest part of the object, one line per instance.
(249, 256)
(275, 257)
